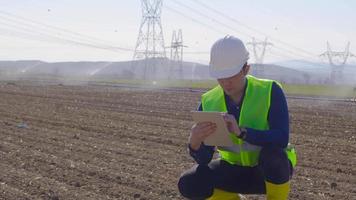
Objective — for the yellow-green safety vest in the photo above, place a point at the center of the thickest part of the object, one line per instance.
(253, 114)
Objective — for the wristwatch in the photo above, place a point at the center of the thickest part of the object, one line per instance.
(243, 133)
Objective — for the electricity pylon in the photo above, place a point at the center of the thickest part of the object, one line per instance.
(337, 68)
(259, 51)
(150, 42)
(176, 63)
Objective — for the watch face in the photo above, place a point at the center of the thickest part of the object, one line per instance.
(243, 133)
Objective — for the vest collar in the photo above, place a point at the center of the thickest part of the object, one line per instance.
(229, 101)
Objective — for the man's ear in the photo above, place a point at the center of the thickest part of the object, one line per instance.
(246, 69)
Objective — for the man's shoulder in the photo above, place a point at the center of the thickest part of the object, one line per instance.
(276, 86)
(215, 91)
(277, 90)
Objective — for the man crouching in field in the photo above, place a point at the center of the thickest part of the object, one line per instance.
(260, 161)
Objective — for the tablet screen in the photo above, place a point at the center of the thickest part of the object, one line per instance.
(221, 137)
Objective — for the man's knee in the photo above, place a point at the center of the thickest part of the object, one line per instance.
(186, 185)
(273, 157)
(195, 183)
(275, 164)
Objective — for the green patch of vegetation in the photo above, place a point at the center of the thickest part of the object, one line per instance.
(164, 83)
(290, 89)
(339, 91)
(320, 90)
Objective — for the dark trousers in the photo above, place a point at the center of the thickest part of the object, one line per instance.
(200, 181)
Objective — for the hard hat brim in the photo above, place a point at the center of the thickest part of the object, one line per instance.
(226, 72)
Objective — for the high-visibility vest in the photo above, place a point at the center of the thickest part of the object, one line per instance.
(253, 114)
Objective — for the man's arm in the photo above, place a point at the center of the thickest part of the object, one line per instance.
(204, 154)
(278, 119)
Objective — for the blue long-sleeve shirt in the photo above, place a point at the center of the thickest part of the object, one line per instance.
(278, 120)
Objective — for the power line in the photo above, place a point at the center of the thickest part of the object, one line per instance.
(42, 32)
(208, 17)
(252, 29)
(52, 28)
(194, 20)
(222, 24)
(25, 33)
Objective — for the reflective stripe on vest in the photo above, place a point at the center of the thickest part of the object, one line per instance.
(243, 147)
(253, 114)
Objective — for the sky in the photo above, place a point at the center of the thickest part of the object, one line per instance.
(107, 30)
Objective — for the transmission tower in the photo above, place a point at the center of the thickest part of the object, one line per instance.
(259, 51)
(337, 67)
(149, 50)
(176, 63)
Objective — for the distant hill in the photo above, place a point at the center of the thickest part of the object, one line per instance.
(297, 72)
(323, 70)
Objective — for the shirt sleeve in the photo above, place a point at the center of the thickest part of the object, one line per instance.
(278, 119)
(204, 154)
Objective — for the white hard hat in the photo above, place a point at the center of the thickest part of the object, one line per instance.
(227, 57)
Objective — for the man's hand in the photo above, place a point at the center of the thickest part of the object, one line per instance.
(232, 124)
(199, 132)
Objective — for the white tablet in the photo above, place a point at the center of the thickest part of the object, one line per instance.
(221, 137)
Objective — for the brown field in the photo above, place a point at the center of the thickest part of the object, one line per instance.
(96, 142)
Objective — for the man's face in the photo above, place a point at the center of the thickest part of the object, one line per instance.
(233, 85)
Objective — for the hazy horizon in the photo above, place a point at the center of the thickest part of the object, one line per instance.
(298, 30)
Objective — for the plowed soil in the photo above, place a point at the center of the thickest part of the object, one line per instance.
(96, 142)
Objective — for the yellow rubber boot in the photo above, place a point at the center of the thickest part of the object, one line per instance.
(277, 191)
(224, 195)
